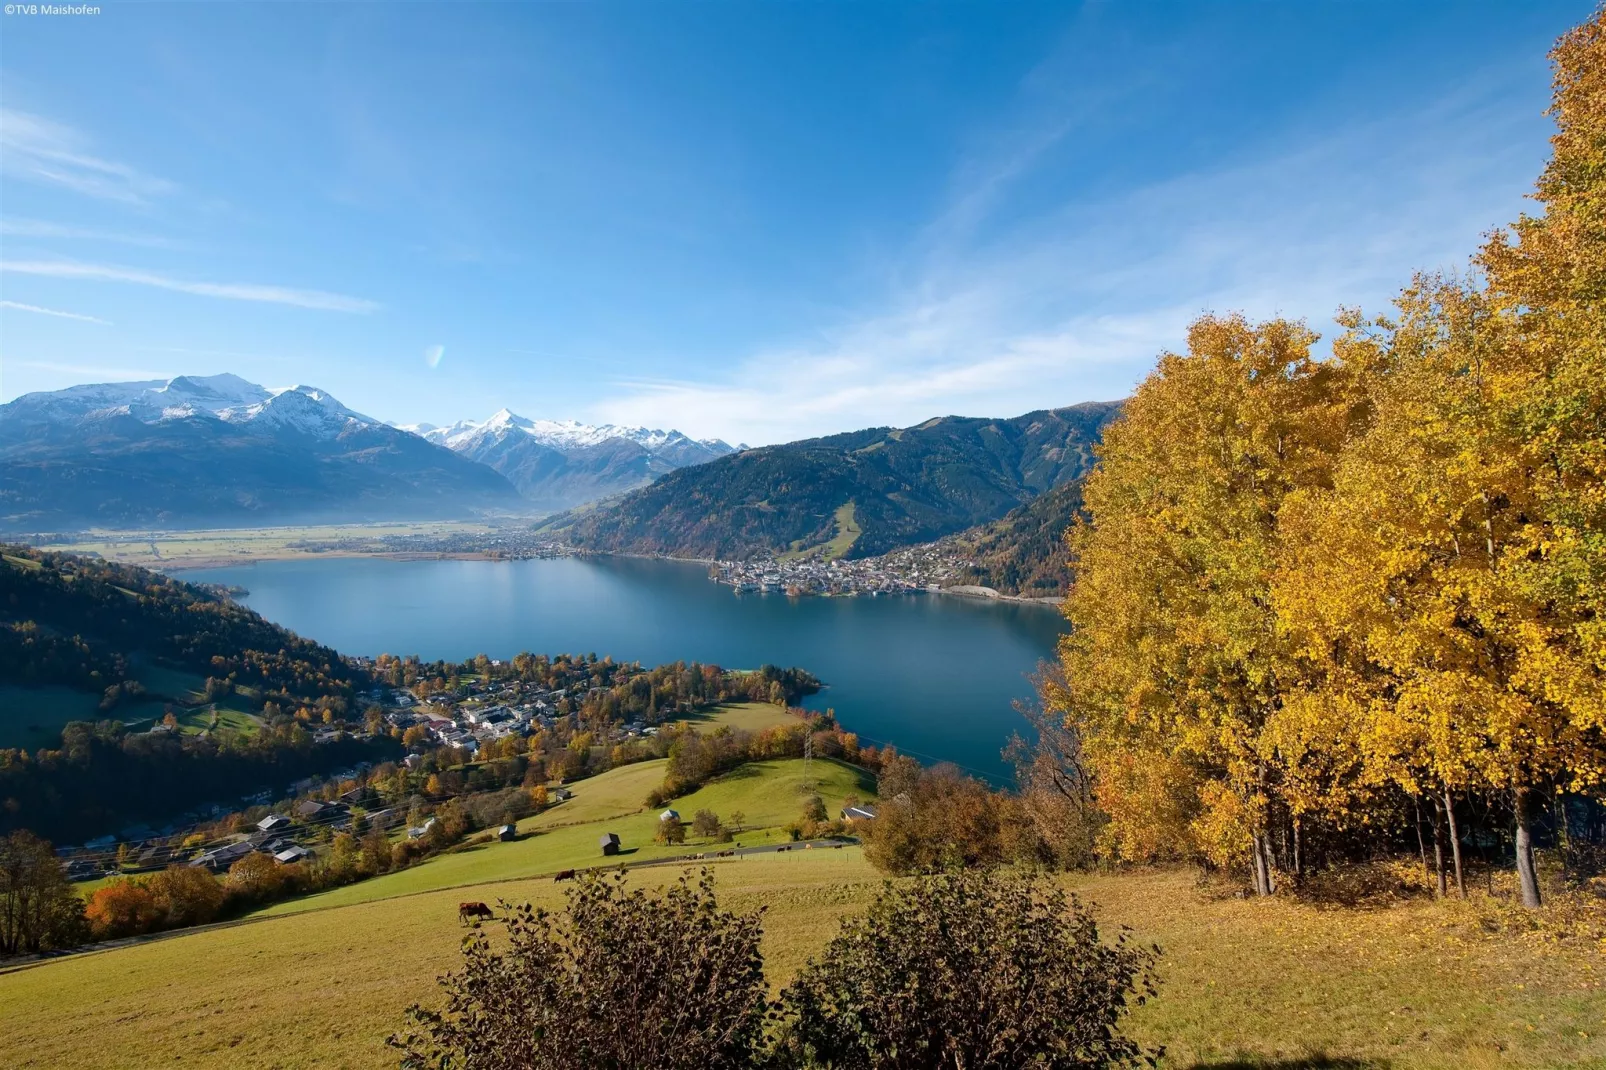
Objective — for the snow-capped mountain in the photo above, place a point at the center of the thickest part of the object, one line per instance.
(229, 398)
(205, 450)
(559, 434)
(562, 463)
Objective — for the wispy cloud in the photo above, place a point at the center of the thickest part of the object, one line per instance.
(20, 307)
(993, 312)
(40, 150)
(279, 295)
(92, 371)
(38, 228)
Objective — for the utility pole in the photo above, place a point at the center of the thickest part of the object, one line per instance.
(808, 756)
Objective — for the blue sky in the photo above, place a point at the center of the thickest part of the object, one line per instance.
(758, 221)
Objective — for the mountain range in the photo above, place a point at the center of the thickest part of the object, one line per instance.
(560, 464)
(199, 451)
(203, 451)
(857, 494)
(218, 450)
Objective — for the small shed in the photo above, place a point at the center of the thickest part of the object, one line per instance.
(609, 843)
(669, 815)
(274, 823)
(507, 832)
(293, 853)
(858, 813)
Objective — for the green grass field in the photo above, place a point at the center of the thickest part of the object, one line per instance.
(196, 549)
(33, 717)
(769, 794)
(744, 716)
(1279, 984)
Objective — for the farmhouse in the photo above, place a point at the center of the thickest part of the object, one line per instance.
(274, 823)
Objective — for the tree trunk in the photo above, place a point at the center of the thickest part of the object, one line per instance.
(1455, 843)
(1438, 849)
(1527, 875)
(1299, 863)
(1262, 870)
(1421, 845)
(1271, 864)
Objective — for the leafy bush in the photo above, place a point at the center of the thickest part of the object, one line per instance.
(620, 980)
(973, 969)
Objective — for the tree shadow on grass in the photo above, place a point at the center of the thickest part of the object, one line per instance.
(746, 771)
(1303, 1062)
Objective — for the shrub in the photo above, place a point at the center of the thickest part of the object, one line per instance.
(185, 895)
(620, 979)
(256, 878)
(937, 974)
(122, 908)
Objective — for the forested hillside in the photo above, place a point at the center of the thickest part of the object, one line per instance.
(1023, 552)
(904, 486)
(80, 622)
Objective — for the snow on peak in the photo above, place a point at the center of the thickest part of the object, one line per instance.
(190, 397)
(561, 435)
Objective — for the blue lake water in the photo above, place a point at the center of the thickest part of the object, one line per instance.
(936, 675)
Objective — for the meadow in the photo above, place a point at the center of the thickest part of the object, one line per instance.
(768, 794)
(1276, 984)
(33, 717)
(203, 548)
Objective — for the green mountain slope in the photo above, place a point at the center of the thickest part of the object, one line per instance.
(906, 486)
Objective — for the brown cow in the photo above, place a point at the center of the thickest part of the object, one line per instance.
(466, 911)
(564, 875)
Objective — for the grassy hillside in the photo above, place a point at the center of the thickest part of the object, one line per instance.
(1244, 984)
(904, 486)
(770, 795)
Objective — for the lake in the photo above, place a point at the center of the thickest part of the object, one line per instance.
(935, 675)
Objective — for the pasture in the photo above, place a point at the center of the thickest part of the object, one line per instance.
(742, 716)
(1275, 984)
(165, 550)
(33, 717)
(769, 794)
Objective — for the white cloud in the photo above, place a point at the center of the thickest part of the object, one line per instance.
(38, 228)
(20, 307)
(280, 295)
(1076, 302)
(81, 372)
(40, 150)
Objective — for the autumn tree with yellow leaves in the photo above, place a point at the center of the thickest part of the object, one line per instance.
(1307, 588)
(1177, 665)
